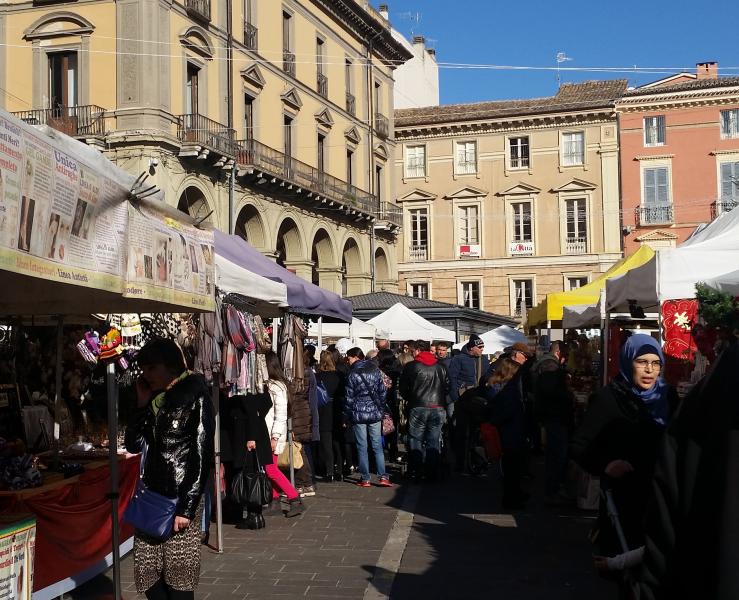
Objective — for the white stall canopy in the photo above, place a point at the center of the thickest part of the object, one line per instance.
(402, 324)
(356, 330)
(498, 339)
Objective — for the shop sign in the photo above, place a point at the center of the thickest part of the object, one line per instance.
(17, 541)
(469, 251)
(521, 248)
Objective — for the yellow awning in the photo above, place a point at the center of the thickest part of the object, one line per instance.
(552, 307)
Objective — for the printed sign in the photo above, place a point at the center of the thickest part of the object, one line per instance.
(16, 559)
(521, 248)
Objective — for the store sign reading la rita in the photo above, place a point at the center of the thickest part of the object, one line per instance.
(521, 248)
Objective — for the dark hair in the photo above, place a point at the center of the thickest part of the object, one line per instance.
(327, 362)
(411, 344)
(423, 346)
(386, 358)
(355, 353)
(274, 367)
(442, 344)
(162, 351)
(335, 354)
(310, 349)
(505, 372)
(555, 346)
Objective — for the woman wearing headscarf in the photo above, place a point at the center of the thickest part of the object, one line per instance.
(619, 437)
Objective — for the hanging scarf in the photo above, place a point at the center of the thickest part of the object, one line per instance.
(655, 398)
(158, 401)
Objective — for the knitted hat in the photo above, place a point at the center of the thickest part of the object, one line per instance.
(475, 342)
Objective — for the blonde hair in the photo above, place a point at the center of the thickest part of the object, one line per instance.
(505, 372)
(326, 362)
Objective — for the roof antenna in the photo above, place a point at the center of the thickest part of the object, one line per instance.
(561, 57)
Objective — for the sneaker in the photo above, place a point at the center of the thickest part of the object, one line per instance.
(384, 482)
(363, 483)
(308, 490)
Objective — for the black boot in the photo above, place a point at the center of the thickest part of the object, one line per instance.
(296, 507)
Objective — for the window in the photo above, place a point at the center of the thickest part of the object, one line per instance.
(378, 182)
(730, 182)
(654, 131)
(656, 207)
(321, 153)
(250, 31)
(730, 123)
(192, 94)
(63, 79)
(574, 283)
(420, 290)
(286, 37)
(419, 234)
(248, 117)
(349, 166)
(577, 226)
(466, 162)
(378, 98)
(321, 79)
(470, 292)
(573, 148)
(518, 152)
(415, 161)
(523, 295)
(288, 135)
(348, 75)
(522, 222)
(320, 43)
(469, 225)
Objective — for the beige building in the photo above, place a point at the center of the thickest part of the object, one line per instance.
(504, 202)
(271, 118)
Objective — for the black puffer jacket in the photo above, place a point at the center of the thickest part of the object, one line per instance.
(365, 394)
(179, 440)
(425, 382)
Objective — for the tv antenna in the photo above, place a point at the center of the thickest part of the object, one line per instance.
(561, 57)
(413, 17)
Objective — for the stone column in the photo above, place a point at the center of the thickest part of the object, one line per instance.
(358, 284)
(302, 268)
(330, 279)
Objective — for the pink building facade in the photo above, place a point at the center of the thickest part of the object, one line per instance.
(679, 140)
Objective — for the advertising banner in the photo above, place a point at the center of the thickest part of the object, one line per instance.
(17, 540)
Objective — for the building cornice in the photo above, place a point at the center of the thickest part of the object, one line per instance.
(506, 262)
(664, 101)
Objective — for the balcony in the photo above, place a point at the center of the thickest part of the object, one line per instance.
(199, 9)
(576, 245)
(75, 121)
(390, 213)
(351, 104)
(722, 206)
(654, 215)
(288, 63)
(382, 126)
(202, 131)
(266, 163)
(251, 37)
(418, 253)
(322, 84)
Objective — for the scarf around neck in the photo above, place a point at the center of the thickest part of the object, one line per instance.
(158, 401)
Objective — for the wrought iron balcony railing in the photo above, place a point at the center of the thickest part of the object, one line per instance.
(722, 206)
(576, 245)
(322, 84)
(251, 36)
(418, 253)
(351, 104)
(194, 128)
(275, 163)
(392, 213)
(198, 8)
(75, 121)
(382, 125)
(288, 62)
(654, 215)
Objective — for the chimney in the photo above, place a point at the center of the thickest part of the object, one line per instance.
(385, 11)
(419, 39)
(707, 70)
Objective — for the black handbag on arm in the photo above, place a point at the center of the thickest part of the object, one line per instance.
(252, 487)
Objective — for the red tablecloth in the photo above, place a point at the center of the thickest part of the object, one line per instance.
(73, 528)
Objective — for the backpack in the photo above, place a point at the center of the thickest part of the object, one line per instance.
(322, 396)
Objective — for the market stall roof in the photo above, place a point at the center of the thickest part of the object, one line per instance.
(498, 339)
(712, 252)
(357, 329)
(401, 324)
(727, 283)
(302, 296)
(552, 307)
(233, 277)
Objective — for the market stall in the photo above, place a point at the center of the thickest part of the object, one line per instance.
(359, 333)
(402, 324)
(498, 339)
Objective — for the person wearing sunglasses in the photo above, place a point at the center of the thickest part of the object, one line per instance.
(619, 437)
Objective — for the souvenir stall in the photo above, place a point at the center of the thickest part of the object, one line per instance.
(79, 236)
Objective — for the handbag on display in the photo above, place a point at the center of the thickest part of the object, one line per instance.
(150, 512)
(252, 488)
(388, 426)
(283, 460)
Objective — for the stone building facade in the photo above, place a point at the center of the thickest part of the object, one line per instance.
(269, 118)
(504, 202)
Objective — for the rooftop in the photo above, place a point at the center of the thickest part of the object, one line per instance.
(570, 97)
(696, 84)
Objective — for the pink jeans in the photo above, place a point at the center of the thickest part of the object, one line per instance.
(280, 483)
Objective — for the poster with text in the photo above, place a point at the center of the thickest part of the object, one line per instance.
(16, 559)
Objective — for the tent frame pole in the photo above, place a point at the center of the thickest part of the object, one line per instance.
(320, 335)
(113, 454)
(58, 380)
(216, 399)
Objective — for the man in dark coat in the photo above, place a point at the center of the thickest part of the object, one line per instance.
(425, 384)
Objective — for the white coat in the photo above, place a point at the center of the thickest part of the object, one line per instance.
(276, 418)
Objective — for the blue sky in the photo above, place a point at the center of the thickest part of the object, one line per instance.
(646, 33)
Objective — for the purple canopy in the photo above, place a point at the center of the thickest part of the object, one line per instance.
(302, 296)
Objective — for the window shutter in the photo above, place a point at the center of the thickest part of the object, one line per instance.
(660, 130)
(663, 195)
(650, 187)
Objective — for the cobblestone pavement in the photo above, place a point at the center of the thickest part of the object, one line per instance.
(460, 545)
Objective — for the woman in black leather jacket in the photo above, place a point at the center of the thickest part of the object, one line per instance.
(175, 427)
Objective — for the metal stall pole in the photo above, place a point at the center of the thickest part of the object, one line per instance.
(320, 336)
(605, 338)
(58, 381)
(290, 450)
(113, 453)
(216, 398)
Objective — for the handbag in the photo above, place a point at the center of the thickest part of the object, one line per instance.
(283, 460)
(252, 488)
(388, 426)
(150, 512)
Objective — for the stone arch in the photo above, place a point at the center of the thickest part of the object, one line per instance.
(382, 265)
(323, 255)
(194, 201)
(250, 226)
(197, 39)
(289, 245)
(59, 23)
(351, 263)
